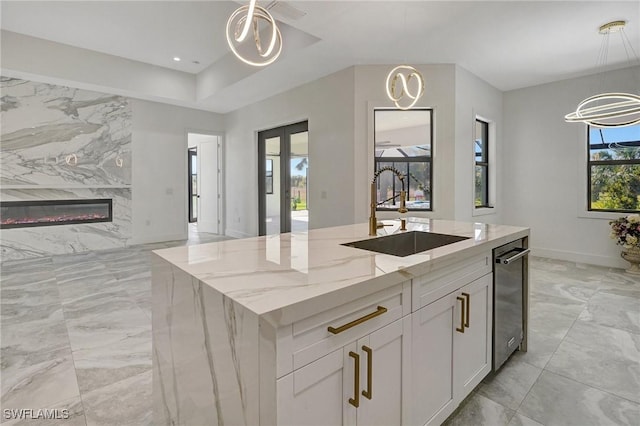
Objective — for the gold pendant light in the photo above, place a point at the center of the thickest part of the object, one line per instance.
(249, 17)
(609, 109)
(405, 96)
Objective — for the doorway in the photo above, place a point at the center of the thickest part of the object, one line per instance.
(283, 170)
(204, 182)
(192, 155)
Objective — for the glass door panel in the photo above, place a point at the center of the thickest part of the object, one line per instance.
(298, 169)
(272, 184)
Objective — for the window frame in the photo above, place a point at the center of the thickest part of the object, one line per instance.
(485, 164)
(590, 163)
(419, 159)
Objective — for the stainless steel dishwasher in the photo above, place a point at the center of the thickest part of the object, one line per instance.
(510, 273)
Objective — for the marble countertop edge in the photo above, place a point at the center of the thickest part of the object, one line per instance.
(283, 292)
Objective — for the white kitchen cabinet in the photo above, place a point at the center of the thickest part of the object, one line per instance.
(451, 350)
(364, 382)
(472, 349)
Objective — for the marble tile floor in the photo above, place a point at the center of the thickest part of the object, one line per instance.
(76, 335)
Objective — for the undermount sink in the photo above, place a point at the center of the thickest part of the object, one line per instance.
(407, 243)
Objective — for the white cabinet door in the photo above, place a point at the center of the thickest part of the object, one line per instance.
(432, 368)
(318, 393)
(472, 349)
(385, 376)
(330, 391)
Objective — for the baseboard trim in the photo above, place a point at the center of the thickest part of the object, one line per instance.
(158, 239)
(593, 259)
(237, 234)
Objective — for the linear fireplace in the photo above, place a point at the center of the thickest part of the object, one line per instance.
(20, 214)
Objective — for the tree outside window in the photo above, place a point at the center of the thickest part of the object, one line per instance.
(614, 169)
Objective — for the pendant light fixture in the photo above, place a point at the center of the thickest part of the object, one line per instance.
(412, 92)
(411, 84)
(247, 18)
(609, 109)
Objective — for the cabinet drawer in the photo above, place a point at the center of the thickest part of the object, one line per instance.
(310, 338)
(432, 286)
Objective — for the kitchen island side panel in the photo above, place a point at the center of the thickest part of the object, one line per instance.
(205, 353)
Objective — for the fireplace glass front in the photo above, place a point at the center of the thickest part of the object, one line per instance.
(19, 214)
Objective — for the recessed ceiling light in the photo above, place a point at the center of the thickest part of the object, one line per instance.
(177, 59)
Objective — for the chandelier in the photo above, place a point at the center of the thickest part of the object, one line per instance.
(609, 109)
(247, 18)
(405, 96)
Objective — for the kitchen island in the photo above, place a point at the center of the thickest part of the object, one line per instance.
(299, 329)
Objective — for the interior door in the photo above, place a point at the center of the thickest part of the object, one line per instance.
(209, 178)
(283, 163)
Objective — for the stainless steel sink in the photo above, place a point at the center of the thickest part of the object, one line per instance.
(407, 243)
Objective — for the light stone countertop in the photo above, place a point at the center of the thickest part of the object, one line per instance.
(290, 276)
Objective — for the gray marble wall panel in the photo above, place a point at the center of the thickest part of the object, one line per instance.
(23, 243)
(205, 353)
(59, 142)
(55, 135)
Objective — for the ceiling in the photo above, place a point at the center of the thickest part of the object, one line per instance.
(509, 44)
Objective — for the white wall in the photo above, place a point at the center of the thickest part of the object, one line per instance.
(160, 167)
(545, 168)
(439, 94)
(327, 104)
(474, 97)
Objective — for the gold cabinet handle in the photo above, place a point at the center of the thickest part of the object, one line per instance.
(461, 328)
(368, 393)
(381, 310)
(468, 308)
(355, 401)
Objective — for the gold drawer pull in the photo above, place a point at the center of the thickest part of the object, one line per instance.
(381, 310)
(461, 328)
(369, 392)
(468, 306)
(355, 401)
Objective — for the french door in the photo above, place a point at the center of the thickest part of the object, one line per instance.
(283, 164)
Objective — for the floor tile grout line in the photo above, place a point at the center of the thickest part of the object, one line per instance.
(527, 394)
(563, 340)
(593, 387)
(73, 360)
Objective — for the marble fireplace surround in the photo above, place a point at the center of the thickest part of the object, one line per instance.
(63, 143)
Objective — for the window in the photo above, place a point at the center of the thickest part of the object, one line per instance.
(403, 140)
(613, 168)
(481, 149)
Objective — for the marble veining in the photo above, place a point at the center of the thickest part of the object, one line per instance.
(43, 124)
(64, 143)
(300, 273)
(209, 375)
